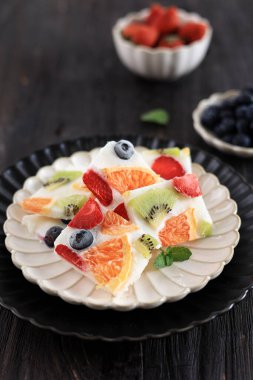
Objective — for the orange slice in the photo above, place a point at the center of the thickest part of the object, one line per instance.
(110, 262)
(129, 178)
(35, 205)
(179, 229)
(114, 224)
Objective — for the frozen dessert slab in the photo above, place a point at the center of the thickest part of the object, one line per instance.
(172, 211)
(108, 249)
(60, 197)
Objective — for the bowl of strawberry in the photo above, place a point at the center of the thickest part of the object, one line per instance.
(225, 121)
(162, 43)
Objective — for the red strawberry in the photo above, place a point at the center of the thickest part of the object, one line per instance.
(168, 167)
(187, 185)
(71, 256)
(121, 210)
(88, 216)
(98, 186)
(155, 16)
(171, 41)
(170, 21)
(141, 34)
(192, 31)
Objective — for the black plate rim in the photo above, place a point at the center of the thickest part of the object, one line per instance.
(229, 304)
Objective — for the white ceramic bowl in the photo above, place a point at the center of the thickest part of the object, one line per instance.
(55, 276)
(208, 136)
(160, 63)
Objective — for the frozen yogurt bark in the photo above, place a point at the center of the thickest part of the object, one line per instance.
(172, 211)
(105, 247)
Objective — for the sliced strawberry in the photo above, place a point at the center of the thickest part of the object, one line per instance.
(192, 31)
(121, 210)
(98, 186)
(155, 16)
(89, 216)
(170, 21)
(72, 257)
(168, 167)
(187, 185)
(141, 34)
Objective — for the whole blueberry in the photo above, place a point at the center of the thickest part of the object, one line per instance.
(51, 235)
(81, 239)
(210, 116)
(250, 112)
(124, 149)
(228, 104)
(241, 112)
(242, 139)
(229, 124)
(228, 138)
(220, 130)
(243, 99)
(226, 113)
(242, 125)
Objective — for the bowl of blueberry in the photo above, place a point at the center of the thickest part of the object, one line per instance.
(225, 121)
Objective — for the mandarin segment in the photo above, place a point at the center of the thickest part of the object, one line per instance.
(179, 229)
(114, 224)
(129, 178)
(35, 205)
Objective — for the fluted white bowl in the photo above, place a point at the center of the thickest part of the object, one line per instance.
(55, 276)
(160, 63)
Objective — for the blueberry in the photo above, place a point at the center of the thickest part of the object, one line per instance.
(51, 235)
(242, 139)
(226, 113)
(250, 112)
(223, 128)
(228, 104)
(81, 239)
(228, 138)
(65, 221)
(242, 126)
(229, 124)
(210, 116)
(242, 112)
(124, 149)
(243, 99)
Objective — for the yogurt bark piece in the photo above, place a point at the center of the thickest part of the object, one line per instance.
(105, 247)
(172, 211)
(61, 197)
(169, 162)
(115, 169)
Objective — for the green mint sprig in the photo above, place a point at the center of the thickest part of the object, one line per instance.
(171, 254)
(157, 116)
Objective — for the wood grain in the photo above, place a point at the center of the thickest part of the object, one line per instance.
(60, 79)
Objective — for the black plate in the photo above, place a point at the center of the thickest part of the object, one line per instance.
(29, 302)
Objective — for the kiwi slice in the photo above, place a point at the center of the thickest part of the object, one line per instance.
(154, 205)
(61, 178)
(71, 204)
(171, 151)
(205, 228)
(145, 244)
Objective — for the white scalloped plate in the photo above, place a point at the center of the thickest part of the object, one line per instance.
(40, 265)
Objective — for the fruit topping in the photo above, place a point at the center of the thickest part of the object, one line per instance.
(114, 224)
(81, 239)
(168, 167)
(141, 34)
(154, 205)
(170, 21)
(145, 244)
(124, 149)
(187, 185)
(121, 210)
(71, 204)
(36, 205)
(110, 262)
(98, 186)
(72, 257)
(179, 229)
(51, 235)
(205, 228)
(88, 217)
(192, 31)
(129, 178)
(171, 41)
(61, 178)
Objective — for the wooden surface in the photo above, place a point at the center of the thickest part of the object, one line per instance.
(59, 79)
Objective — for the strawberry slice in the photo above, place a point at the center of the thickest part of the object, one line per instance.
(168, 167)
(71, 256)
(88, 216)
(121, 210)
(187, 185)
(98, 186)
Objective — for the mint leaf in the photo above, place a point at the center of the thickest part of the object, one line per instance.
(160, 261)
(179, 253)
(169, 260)
(157, 116)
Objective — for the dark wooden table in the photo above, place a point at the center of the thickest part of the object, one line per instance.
(59, 79)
